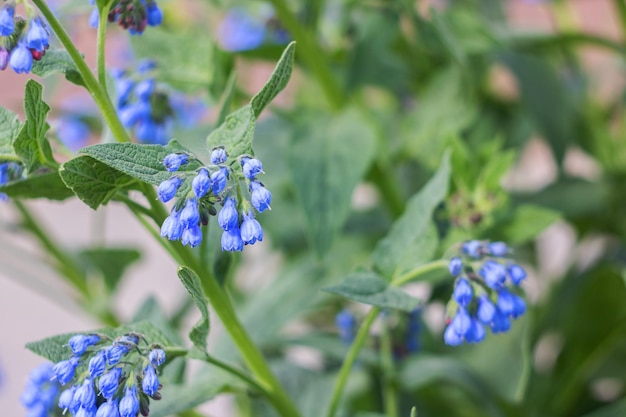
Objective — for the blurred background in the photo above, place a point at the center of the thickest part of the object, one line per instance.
(535, 85)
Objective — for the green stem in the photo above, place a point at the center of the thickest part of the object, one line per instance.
(311, 53)
(620, 5)
(102, 36)
(351, 357)
(65, 265)
(561, 39)
(390, 394)
(99, 95)
(421, 270)
(235, 371)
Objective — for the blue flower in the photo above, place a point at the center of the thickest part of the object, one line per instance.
(108, 409)
(346, 324)
(7, 23)
(109, 382)
(218, 155)
(461, 322)
(228, 217)
(251, 230)
(172, 228)
(123, 87)
(190, 216)
(486, 310)
(37, 36)
(510, 304)
(155, 15)
(21, 59)
(73, 132)
(115, 352)
(145, 88)
(450, 337)
(85, 396)
(493, 273)
(67, 399)
(201, 183)
(501, 322)
(497, 249)
(129, 404)
(517, 273)
(476, 332)
(79, 343)
(260, 197)
(173, 161)
(157, 357)
(40, 392)
(64, 370)
(150, 381)
(251, 167)
(455, 266)
(231, 240)
(238, 31)
(218, 180)
(463, 292)
(97, 364)
(473, 248)
(192, 236)
(94, 18)
(168, 188)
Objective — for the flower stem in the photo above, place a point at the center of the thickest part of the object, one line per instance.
(390, 395)
(620, 5)
(99, 95)
(420, 270)
(102, 36)
(351, 357)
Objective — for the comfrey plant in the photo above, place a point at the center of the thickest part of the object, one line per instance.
(22, 41)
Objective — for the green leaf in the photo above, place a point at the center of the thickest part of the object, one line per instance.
(111, 262)
(200, 331)
(278, 80)
(31, 144)
(441, 25)
(9, 129)
(524, 224)
(369, 288)
(329, 156)
(143, 162)
(48, 185)
(412, 239)
(236, 133)
(55, 348)
(55, 62)
(92, 181)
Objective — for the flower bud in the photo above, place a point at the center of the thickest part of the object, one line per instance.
(260, 197)
(168, 188)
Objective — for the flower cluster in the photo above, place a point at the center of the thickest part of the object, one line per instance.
(207, 185)
(148, 108)
(242, 31)
(21, 41)
(40, 393)
(482, 298)
(133, 15)
(8, 171)
(118, 380)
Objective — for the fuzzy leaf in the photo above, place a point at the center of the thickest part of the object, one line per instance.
(92, 181)
(278, 80)
(9, 129)
(200, 331)
(55, 62)
(31, 144)
(48, 185)
(369, 288)
(236, 133)
(412, 239)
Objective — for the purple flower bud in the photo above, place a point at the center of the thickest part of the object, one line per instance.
(231, 240)
(218, 180)
(498, 249)
(190, 216)
(109, 382)
(172, 228)
(486, 310)
(517, 273)
(7, 23)
(228, 217)
(157, 357)
(37, 36)
(150, 381)
(173, 161)
(251, 167)
(201, 183)
(455, 266)
(66, 399)
(4, 59)
(129, 405)
(192, 236)
(473, 248)
(463, 292)
(108, 409)
(79, 343)
(85, 396)
(21, 59)
(251, 230)
(115, 352)
(218, 156)
(155, 15)
(494, 274)
(168, 188)
(260, 197)
(64, 370)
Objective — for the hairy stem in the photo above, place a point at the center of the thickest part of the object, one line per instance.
(99, 95)
(102, 36)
